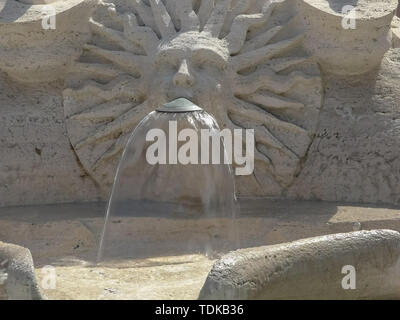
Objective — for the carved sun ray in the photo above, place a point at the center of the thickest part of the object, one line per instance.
(226, 55)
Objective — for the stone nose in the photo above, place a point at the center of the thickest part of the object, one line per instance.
(183, 77)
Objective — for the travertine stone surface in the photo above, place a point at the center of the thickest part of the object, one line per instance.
(311, 269)
(355, 49)
(30, 53)
(231, 60)
(17, 274)
(37, 163)
(355, 154)
(251, 63)
(66, 237)
(396, 32)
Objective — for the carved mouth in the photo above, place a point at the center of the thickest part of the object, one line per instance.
(181, 93)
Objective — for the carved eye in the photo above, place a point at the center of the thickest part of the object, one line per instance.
(208, 59)
(199, 65)
(168, 60)
(206, 64)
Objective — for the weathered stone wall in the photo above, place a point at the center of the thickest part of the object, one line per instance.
(37, 162)
(356, 152)
(352, 154)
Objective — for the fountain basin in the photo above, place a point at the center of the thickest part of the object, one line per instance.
(66, 237)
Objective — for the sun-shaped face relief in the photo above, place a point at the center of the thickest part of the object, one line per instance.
(240, 60)
(193, 66)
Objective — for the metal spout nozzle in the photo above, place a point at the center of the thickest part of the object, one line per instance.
(179, 105)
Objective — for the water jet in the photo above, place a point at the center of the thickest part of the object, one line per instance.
(181, 196)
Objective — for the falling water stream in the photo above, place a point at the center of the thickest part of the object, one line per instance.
(172, 208)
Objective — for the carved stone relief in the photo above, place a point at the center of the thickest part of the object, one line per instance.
(239, 60)
(322, 99)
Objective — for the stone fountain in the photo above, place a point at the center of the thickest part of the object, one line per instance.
(317, 81)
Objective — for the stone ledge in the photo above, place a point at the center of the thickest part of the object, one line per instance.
(312, 268)
(55, 231)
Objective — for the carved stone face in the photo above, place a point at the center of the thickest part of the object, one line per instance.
(193, 66)
(220, 55)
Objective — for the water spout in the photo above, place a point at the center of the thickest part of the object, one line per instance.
(179, 202)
